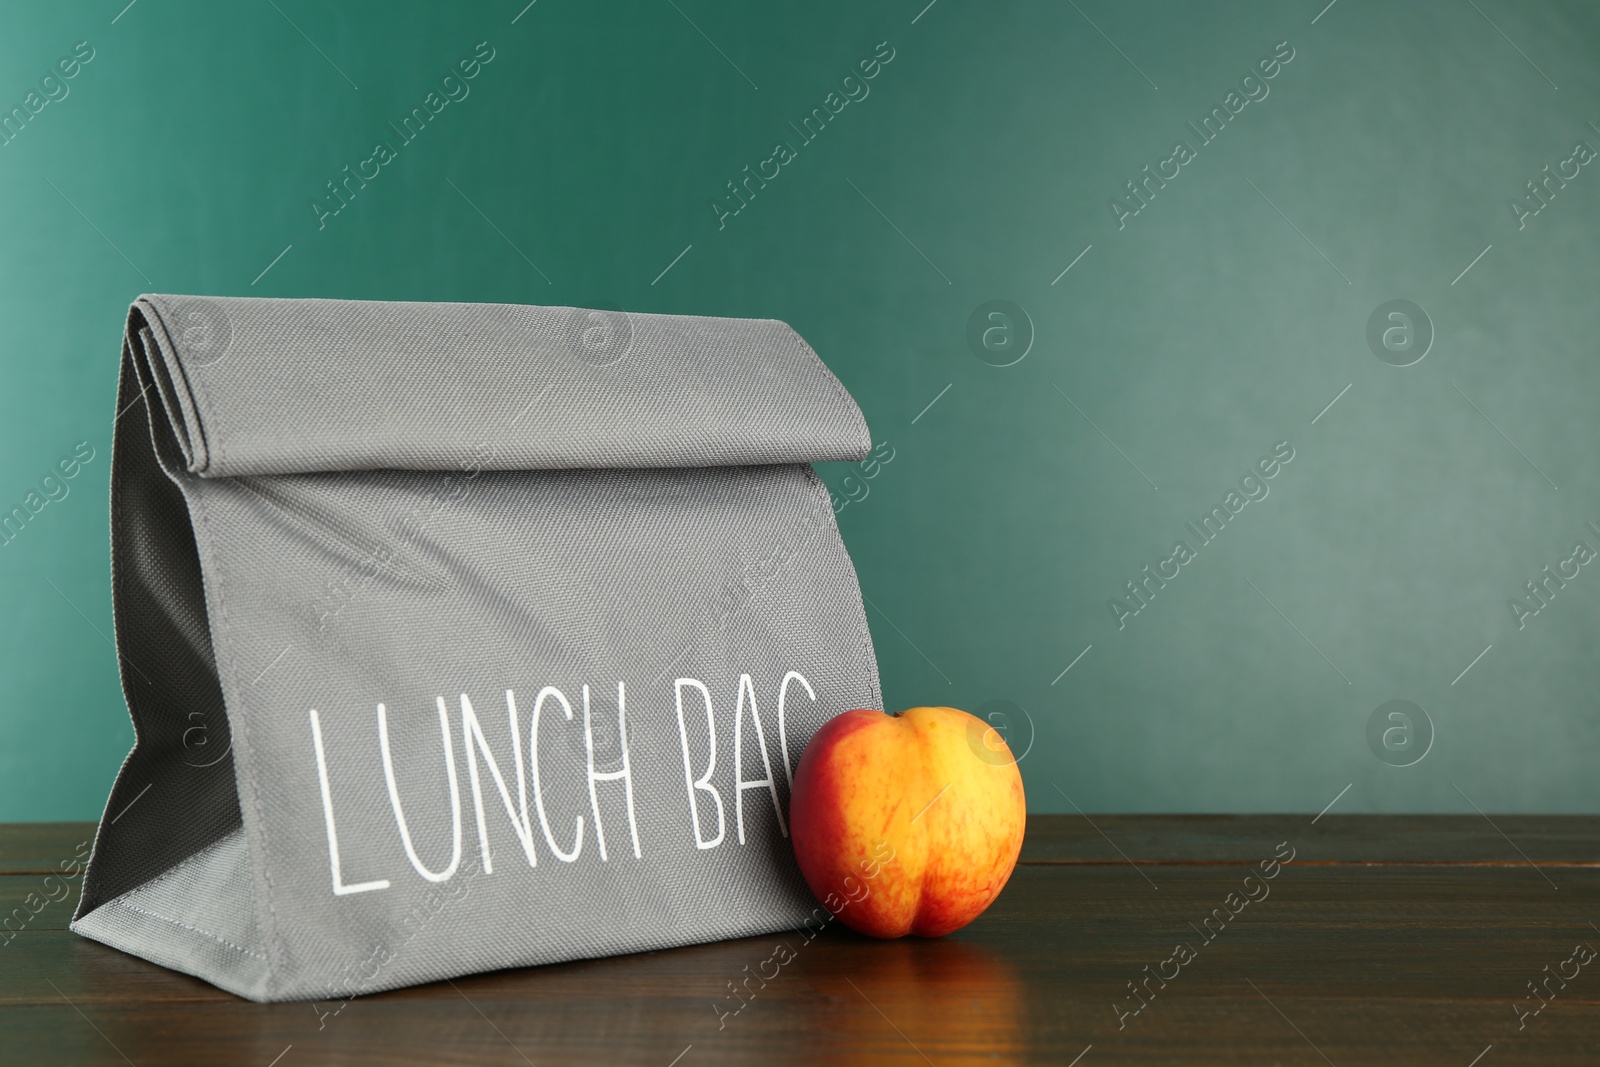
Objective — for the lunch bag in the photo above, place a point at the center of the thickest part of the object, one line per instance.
(464, 636)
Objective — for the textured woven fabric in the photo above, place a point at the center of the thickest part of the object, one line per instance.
(459, 637)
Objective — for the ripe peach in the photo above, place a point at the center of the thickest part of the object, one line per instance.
(907, 823)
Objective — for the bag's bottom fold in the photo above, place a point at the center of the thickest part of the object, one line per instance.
(195, 918)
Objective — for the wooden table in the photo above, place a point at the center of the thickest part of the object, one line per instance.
(1386, 940)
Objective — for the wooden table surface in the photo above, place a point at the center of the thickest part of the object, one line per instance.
(1387, 940)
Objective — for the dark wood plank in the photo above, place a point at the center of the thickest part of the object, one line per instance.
(38, 848)
(1388, 963)
(42, 847)
(30, 903)
(1332, 838)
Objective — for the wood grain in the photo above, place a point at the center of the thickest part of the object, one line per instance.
(1384, 942)
(42, 847)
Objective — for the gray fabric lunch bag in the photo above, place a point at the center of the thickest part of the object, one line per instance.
(464, 636)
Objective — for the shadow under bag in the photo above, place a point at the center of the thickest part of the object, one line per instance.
(459, 637)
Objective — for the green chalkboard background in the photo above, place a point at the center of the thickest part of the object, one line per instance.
(1184, 343)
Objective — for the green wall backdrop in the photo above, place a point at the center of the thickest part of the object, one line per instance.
(1389, 151)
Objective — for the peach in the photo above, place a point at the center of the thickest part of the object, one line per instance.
(907, 823)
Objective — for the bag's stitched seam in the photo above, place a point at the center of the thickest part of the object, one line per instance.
(242, 726)
(192, 929)
(248, 766)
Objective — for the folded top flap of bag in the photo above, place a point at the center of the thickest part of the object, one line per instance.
(254, 386)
